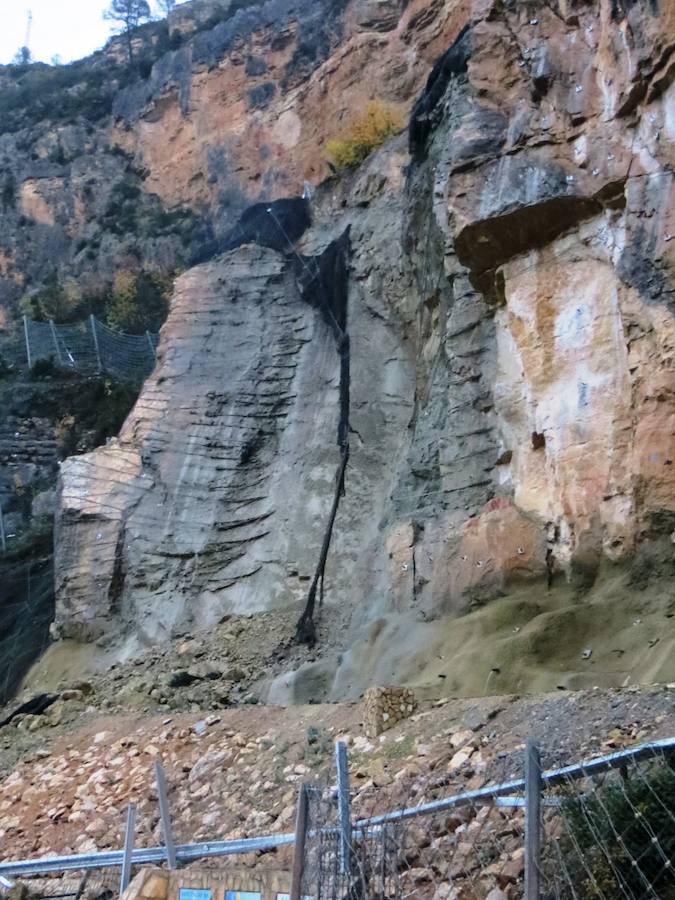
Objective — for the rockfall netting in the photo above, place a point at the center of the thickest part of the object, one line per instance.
(87, 347)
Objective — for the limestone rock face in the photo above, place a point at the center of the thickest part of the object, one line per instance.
(214, 497)
(240, 110)
(512, 333)
(244, 111)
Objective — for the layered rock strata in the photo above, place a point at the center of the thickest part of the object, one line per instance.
(512, 382)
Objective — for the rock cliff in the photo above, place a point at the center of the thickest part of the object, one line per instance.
(508, 505)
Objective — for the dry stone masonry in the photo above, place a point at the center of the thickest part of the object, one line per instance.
(384, 707)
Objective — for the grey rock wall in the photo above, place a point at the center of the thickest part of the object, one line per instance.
(214, 498)
(511, 389)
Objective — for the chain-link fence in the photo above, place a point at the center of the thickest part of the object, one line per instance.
(90, 884)
(88, 347)
(612, 833)
(26, 612)
(604, 828)
(439, 846)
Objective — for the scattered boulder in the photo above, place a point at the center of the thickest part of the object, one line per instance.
(182, 678)
(33, 707)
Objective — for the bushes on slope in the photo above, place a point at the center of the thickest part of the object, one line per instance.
(365, 133)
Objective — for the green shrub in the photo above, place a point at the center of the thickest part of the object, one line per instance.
(43, 368)
(56, 93)
(225, 14)
(364, 134)
(7, 370)
(121, 213)
(614, 826)
(117, 150)
(64, 93)
(91, 411)
(59, 300)
(138, 302)
(58, 155)
(8, 192)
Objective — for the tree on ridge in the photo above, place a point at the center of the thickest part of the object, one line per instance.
(128, 14)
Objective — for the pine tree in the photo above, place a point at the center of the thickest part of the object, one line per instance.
(129, 14)
(23, 57)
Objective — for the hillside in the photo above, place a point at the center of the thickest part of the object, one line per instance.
(454, 369)
(412, 414)
(235, 774)
(401, 273)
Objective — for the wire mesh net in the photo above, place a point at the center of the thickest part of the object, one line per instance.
(321, 850)
(13, 353)
(605, 835)
(434, 847)
(26, 612)
(89, 884)
(612, 835)
(86, 347)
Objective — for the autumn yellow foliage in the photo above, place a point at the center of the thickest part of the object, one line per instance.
(364, 134)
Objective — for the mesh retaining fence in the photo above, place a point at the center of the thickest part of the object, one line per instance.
(89, 347)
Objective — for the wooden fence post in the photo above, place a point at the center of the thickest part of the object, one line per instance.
(165, 815)
(533, 823)
(300, 842)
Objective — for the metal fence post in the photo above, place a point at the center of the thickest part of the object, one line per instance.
(151, 345)
(92, 322)
(300, 842)
(165, 815)
(533, 823)
(344, 813)
(56, 342)
(125, 877)
(84, 881)
(25, 334)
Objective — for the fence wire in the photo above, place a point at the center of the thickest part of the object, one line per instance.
(464, 851)
(608, 829)
(87, 347)
(26, 612)
(321, 876)
(612, 835)
(99, 884)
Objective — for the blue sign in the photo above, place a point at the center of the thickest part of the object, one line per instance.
(242, 895)
(193, 894)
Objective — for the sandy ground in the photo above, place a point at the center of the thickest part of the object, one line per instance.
(619, 632)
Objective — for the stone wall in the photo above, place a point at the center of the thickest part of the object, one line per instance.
(158, 884)
(385, 707)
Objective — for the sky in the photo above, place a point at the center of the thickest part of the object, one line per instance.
(69, 29)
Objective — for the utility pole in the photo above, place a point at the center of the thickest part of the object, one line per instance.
(29, 27)
(23, 56)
